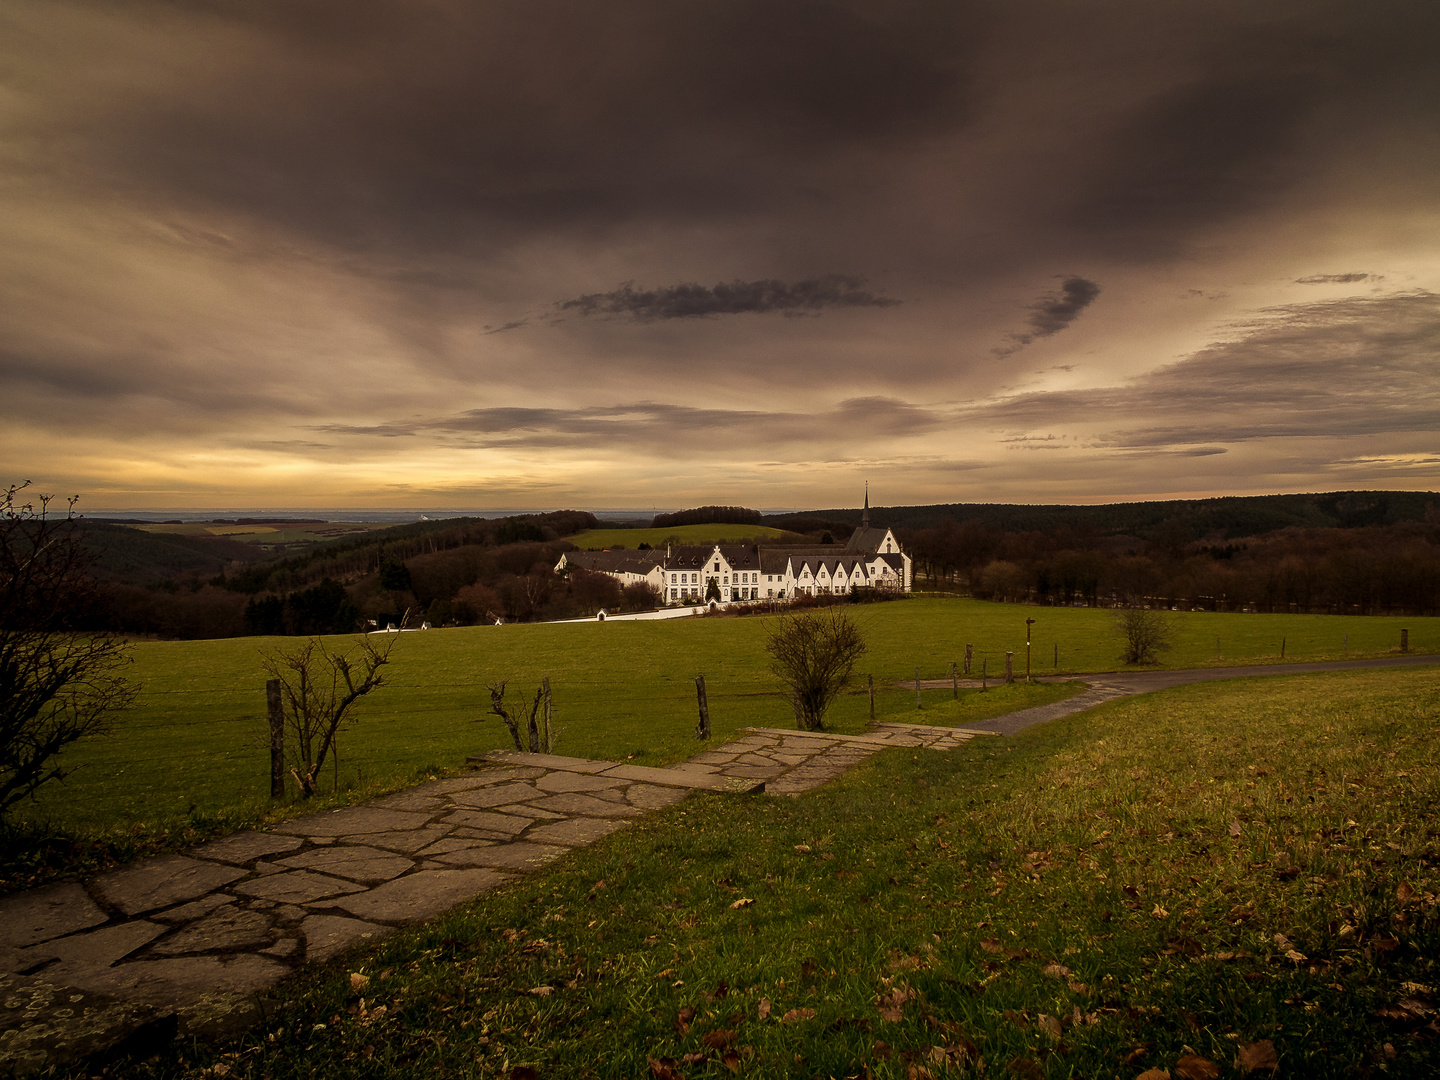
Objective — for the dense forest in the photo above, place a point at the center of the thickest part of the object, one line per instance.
(1366, 570)
(1353, 553)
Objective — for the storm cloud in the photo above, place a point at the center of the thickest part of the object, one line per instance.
(227, 227)
(691, 301)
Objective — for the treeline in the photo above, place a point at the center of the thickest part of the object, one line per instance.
(465, 570)
(1378, 569)
(1230, 517)
(707, 515)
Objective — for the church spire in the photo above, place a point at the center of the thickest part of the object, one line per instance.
(865, 514)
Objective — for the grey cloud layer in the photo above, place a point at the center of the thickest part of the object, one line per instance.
(690, 301)
(1346, 368)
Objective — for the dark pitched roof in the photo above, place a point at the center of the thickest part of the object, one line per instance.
(866, 539)
(615, 562)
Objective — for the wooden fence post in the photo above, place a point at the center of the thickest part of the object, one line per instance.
(954, 682)
(549, 732)
(983, 664)
(917, 688)
(1009, 667)
(969, 652)
(1282, 648)
(1404, 640)
(1057, 657)
(702, 729)
(870, 684)
(276, 710)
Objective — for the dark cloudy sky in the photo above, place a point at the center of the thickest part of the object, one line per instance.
(624, 254)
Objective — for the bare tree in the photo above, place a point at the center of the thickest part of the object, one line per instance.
(1146, 633)
(57, 684)
(538, 729)
(318, 689)
(814, 655)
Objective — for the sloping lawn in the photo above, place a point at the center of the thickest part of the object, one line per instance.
(1193, 881)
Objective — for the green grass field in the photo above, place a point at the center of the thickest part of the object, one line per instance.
(192, 756)
(620, 688)
(596, 539)
(1192, 880)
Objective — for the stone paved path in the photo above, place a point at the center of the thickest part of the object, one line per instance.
(189, 942)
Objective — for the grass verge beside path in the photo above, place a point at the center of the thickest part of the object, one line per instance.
(1209, 872)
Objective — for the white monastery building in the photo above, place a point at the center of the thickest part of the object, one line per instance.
(738, 573)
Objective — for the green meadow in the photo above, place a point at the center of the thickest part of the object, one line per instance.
(1212, 881)
(191, 757)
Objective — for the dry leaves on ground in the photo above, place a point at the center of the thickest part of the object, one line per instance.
(744, 901)
(796, 1015)
(1257, 1055)
(1194, 1067)
(764, 1009)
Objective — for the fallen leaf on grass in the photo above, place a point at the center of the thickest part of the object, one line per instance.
(541, 991)
(989, 944)
(1026, 1068)
(1235, 828)
(682, 1020)
(764, 1009)
(1078, 987)
(1258, 1055)
(523, 1072)
(803, 849)
(1403, 892)
(881, 1049)
(1159, 913)
(664, 1069)
(731, 1060)
(1154, 1074)
(1049, 1024)
(1296, 955)
(796, 1015)
(358, 981)
(718, 1039)
(1194, 1067)
(1055, 971)
(721, 989)
(744, 901)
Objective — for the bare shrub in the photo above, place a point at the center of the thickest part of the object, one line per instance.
(318, 689)
(1146, 632)
(814, 654)
(56, 684)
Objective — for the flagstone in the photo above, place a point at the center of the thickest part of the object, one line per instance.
(421, 895)
(162, 881)
(505, 824)
(330, 935)
(245, 847)
(297, 887)
(516, 856)
(576, 831)
(357, 863)
(353, 820)
(228, 928)
(577, 803)
(41, 914)
(496, 795)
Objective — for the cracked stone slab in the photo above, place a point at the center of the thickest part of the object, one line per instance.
(455, 843)
(653, 796)
(754, 772)
(195, 909)
(484, 775)
(50, 912)
(558, 782)
(495, 795)
(421, 895)
(162, 881)
(575, 802)
(516, 856)
(701, 781)
(229, 928)
(544, 761)
(43, 1023)
(81, 956)
(327, 936)
(410, 800)
(505, 824)
(576, 831)
(296, 887)
(407, 842)
(367, 865)
(245, 847)
(352, 820)
(521, 810)
(211, 991)
(695, 767)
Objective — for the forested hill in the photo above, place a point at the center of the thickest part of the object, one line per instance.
(1229, 517)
